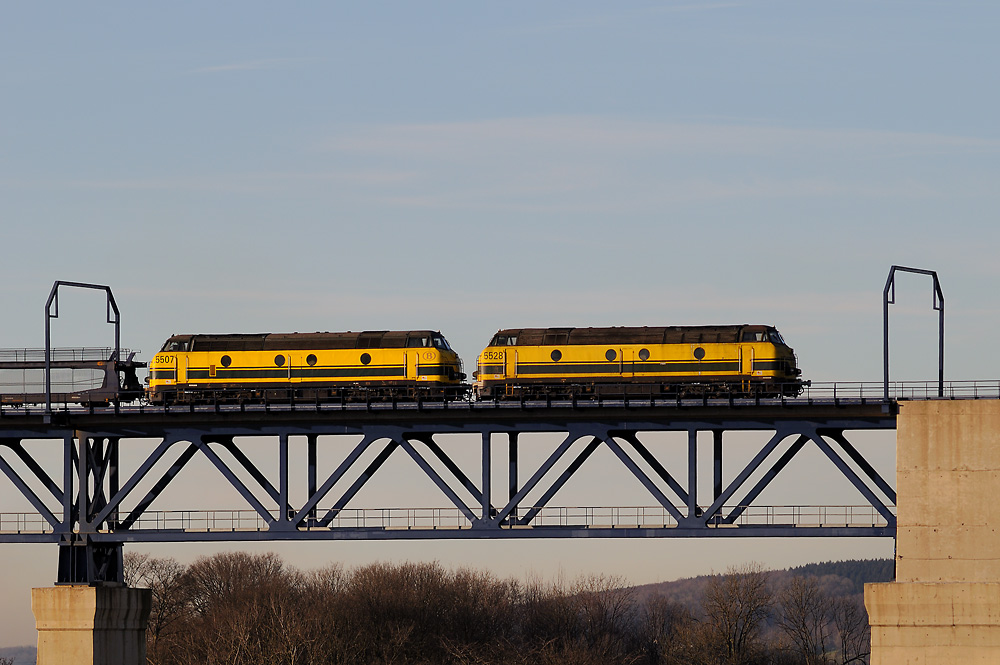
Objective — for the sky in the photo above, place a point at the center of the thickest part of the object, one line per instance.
(249, 167)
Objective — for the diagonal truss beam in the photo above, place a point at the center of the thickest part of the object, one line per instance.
(563, 478)
(251, 468)
(324, 489)
(654, 464)
(855, 480)
(436, 478)
(28, 493)
(135, 479)
(744, 475)
(359, 483)
(18, 449)
(863, 464)
(643, 478)
(160, 485)
(571, 437)
(248, 496)
(451, 466)
(752, 495)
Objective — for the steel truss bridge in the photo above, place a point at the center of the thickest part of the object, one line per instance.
(90, 504)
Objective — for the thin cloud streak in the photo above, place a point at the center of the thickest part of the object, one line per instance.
(235, 182)
(591, 164)
(606, 20)
(576, 134)
(250, 66)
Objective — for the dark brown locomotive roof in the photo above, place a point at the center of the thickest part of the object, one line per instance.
(368, 339)
(628, 335)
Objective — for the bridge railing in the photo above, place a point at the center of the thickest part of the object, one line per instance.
(73, 371)
(83, 354)
(20, 381)
(24, 523)
(871, 391)
(614, 517)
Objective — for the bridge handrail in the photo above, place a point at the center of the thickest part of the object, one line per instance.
(68, 354)
(452, 518)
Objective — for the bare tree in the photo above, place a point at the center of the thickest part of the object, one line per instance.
(694, 642)
(803, 613)
(737, 606)
(659, 626)
(165, 579)
(607, 613)
(851, 623)
(134, 566)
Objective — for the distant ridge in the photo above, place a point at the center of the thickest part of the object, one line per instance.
(26, 655)
(837, 578)
(858, 571)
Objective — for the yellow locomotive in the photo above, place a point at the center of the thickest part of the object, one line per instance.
(679, 360)
(279, 366)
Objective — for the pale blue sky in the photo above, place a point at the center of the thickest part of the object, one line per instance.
(246, 166)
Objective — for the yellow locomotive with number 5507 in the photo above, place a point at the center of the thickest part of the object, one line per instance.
(379, 364)
(735, 360)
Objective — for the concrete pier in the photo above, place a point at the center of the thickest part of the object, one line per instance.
(944, 607)
(91, 625)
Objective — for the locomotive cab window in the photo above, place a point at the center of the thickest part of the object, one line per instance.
(418, 341)
(504, 340)
(440, 342)
(754, 337)
(174, 346)
(775, 336)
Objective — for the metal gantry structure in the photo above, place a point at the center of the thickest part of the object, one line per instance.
(937, 302)
(98, 505)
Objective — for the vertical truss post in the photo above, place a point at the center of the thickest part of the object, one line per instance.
(114, 480)
(83, 477)
(311, 472)
(98, 452)
(717, 459)
(283, 509)
(487, 476)
(692, 473)
(67, 498)
(937, 302)
(512, 485)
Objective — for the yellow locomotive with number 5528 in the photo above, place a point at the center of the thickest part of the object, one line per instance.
(381, 364)
(734, 360)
